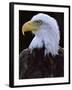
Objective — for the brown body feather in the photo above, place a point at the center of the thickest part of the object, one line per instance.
(37, 65)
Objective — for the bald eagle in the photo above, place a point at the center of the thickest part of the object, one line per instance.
(46, 32)
(47, 36)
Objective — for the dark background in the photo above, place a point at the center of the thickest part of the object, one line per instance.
(25, 16)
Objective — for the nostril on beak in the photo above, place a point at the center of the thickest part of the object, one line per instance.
(29, 24)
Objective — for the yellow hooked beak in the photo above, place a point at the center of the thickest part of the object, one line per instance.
(29, 26)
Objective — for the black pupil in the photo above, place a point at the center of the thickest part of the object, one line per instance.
(39, 22)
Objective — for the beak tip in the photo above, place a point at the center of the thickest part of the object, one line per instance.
(23, 33)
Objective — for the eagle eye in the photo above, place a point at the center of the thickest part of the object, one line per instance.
(39, 22)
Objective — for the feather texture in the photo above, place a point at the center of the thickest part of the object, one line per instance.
(47, 35)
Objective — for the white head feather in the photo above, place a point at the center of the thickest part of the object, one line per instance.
(48, 34)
